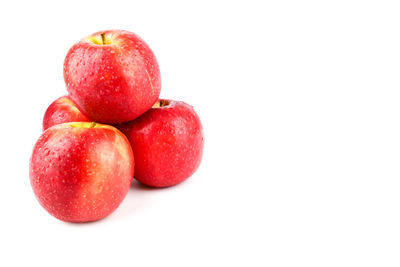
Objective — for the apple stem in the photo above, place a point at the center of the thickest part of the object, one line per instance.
(93, 124)
(164, 103)
(103, 38)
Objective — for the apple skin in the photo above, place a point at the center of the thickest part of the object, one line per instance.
(63, 110)
(167, 142)
(81, 171)
(113, 76)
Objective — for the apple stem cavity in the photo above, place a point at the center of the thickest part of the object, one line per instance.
(92, 125)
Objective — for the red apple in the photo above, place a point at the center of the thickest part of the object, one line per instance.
(62, 110)
(81, 171)
(113, 76)
(167, 142)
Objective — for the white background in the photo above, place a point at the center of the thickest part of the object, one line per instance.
(300, 105)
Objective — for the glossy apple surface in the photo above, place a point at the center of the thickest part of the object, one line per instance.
(63, 110)
(81, 171)
(167, 142)
(113, 76)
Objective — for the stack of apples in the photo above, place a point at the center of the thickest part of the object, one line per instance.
(110, 128)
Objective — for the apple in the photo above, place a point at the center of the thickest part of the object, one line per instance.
(113, 76)
(167, 142)
(81, 171)
(62, 110)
